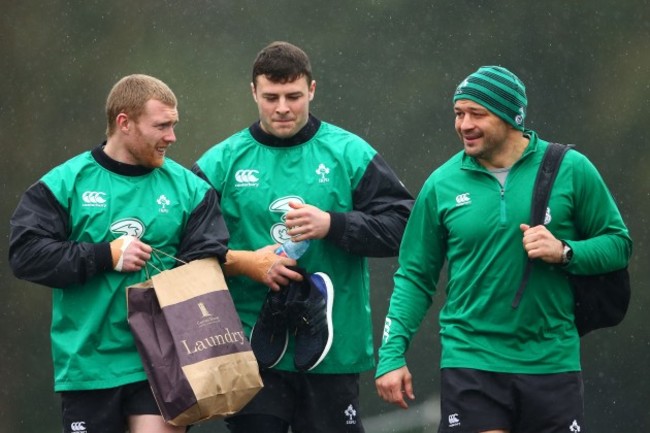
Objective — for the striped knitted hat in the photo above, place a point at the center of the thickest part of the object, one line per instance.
(498, 90)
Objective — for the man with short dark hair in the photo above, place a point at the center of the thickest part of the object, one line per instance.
(291, 176)
(504, 369)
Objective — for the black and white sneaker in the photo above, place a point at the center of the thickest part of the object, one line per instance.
(269, 336)
(310, 317)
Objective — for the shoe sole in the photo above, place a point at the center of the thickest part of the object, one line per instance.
(330, 328)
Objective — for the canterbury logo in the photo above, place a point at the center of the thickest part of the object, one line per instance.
(387, 324)
(575, 427)
(79, 426)
(462, 199)
(454, 421)
(247, 176)
(93, 198)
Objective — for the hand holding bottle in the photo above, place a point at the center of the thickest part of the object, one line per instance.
(293, 249)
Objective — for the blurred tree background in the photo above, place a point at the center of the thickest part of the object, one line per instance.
(386, 70)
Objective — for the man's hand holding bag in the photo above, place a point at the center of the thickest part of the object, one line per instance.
(198, 361)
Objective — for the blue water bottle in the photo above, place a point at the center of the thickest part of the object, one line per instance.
(293, 250)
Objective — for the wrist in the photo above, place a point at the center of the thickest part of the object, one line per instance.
(236, 262)
(251, 264)
(116, 250)
(118, 247)
(567, 254)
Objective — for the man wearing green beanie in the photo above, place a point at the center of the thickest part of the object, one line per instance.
(503, 369)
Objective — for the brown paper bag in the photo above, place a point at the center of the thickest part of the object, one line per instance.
(198, 361)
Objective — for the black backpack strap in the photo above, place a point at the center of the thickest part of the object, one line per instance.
(541, 192)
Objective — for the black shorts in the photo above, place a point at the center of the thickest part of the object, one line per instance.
(309, 403)
(106, 410)
(473, 401)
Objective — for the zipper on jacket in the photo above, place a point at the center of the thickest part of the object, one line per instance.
(502, 206)
(502, 196)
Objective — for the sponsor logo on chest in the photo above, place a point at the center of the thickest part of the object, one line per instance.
(93, 199)
(250, 177)
(100, 199)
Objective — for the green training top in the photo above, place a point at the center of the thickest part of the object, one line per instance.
(465, 217)
(92, 344)
(256, 182)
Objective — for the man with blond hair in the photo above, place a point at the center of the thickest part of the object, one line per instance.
(100, 222)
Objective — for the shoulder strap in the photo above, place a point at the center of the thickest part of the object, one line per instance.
(541, 192)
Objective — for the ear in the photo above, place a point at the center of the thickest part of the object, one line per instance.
(123, 123)
(253, 91)
(312, 89)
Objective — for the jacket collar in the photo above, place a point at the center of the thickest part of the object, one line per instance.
(469, 162)
(115, 166)
(304, 135)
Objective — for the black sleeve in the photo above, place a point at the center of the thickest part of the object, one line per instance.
(382, 205)
(39, 249)
(206, 234)
(197, 171)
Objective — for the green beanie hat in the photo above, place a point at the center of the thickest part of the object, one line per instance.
(498, 90)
